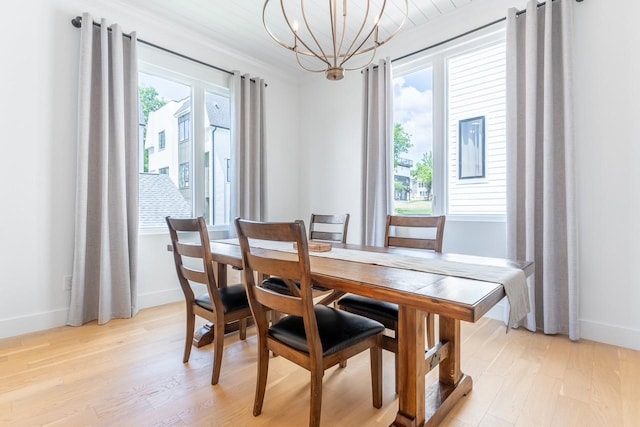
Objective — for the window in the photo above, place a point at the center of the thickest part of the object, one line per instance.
(162, 142)
(449, 120)
(188, 111)
(184, 123)
(184, 175)
(413, 141)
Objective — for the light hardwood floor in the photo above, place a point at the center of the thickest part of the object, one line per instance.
(129, 373)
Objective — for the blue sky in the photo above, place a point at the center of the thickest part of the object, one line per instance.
(413, 104)
(166, 89)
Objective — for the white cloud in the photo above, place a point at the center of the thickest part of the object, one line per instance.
(413, 109)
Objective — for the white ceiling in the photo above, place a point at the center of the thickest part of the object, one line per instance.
(238, 23)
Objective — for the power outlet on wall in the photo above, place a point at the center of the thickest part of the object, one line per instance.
(66, 283)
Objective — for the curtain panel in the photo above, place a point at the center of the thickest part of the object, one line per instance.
(377, 134)
(247, 147)
(541, 215)
(104, 279)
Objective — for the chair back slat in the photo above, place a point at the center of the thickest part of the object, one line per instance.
(189, 249)
(189, 252)
(330, 228)
(408, 242)
(273, 266)
(412, 229)
(327, 236)
(194, 275)
(278, 302)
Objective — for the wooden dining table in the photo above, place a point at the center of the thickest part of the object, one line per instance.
(453, 299)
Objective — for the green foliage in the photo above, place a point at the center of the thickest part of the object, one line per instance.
(150, 101)
(401, 142)
(399, 186)
(423, 171)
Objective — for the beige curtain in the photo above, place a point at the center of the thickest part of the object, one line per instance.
(247, 147)
(541, 213)
(377, 134)
(106, 226)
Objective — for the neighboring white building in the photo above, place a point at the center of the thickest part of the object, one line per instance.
(169, 142)
(402, 175)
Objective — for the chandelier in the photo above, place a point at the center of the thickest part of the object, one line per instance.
(326, 37)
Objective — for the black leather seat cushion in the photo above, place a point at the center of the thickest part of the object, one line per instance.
(369, 305)
(337, 329)
(233, 297)
(276, 284)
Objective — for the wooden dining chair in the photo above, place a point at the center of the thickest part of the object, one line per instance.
(194, 264)
(329, 228)
(313, 336)
(325, 228)
(405, 232)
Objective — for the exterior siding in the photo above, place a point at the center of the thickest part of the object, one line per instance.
(476, 87)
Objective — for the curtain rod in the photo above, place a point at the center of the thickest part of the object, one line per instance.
(482, 27)
(77, 22)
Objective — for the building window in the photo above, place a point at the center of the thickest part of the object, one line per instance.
(191, 177)
(183, 175)
(184, 124)
(162, 141)
(458, 168)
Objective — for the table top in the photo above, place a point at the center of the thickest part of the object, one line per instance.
(454, 297)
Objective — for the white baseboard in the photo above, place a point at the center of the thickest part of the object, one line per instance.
(610, 334)
(593, 331)
(154, 299)
(56, 318)
(33, 323)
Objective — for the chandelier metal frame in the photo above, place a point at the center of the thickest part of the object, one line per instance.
(341, 50)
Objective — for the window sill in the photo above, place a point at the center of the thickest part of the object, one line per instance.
(476, 218)
(215, 232)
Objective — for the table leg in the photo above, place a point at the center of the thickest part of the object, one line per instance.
(204, 335)
(453, 384)
(416, 407)
(221, 271)
(411, 389)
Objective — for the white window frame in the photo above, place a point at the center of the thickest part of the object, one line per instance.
(436, 58)
(201, 79)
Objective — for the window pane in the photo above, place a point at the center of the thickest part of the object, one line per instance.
(413, 142)
(216, 158)
(184, 175)
(476, 132)
(184, 124)
(165, 172)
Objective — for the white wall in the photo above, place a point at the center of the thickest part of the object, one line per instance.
(607, 89)
(607, 93)
(38, 80)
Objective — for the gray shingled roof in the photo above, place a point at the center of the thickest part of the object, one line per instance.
(217, 110)
(185, 106)
(160, 197)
